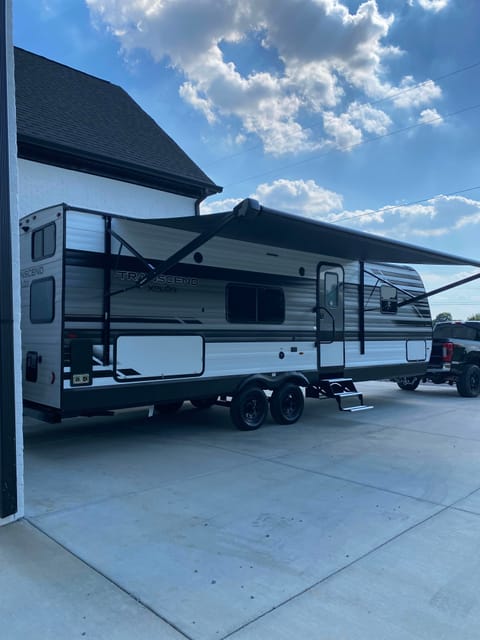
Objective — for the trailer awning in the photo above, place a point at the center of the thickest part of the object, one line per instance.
(255, 223)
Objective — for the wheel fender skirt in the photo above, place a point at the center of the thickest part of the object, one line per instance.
(265, 381)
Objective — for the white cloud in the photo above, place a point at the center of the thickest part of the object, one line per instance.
(436, 217)
(412, 95)
(321, 49)
(430, 116)
(433, 5)
(218, 206)
(301, 197)
(341, 131)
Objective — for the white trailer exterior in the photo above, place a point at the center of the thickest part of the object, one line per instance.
(118, 312)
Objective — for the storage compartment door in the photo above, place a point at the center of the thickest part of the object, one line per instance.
(150, 357)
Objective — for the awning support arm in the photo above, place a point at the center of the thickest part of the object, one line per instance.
(395, 286)
(124, 243)
(176, 257)
(427, 294)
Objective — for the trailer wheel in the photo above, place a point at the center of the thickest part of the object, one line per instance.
(286, 403)
(408, 383)
(249, 409)
(468, 383)
(204, 403)
(167, 408)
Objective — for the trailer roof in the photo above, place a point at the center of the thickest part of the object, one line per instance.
(255, 223)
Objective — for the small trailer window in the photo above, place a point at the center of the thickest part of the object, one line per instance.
(43, 242)
(42, 301)
(255, 304)
(388, 299)
(331, 290)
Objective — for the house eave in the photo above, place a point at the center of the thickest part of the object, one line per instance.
(30, 148)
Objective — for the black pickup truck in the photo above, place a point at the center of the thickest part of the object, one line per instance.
(455, 358)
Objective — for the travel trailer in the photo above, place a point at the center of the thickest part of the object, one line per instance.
(252, 308)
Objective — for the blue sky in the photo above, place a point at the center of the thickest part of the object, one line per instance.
(361, 113)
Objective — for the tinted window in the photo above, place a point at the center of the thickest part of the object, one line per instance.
(241, 304)
(459, 331)
(255, 304)
(42, 300)
(43, 242)
(331, 290)
(388, 299)
(271, 305)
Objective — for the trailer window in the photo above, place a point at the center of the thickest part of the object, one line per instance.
(43, 242)
(331, 289)
(42, 301)
(255, 304)
(388, 299)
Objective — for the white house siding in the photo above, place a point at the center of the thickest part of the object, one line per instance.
(15, 267)
(41, 186)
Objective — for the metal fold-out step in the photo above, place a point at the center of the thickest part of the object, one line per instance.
(344, 392)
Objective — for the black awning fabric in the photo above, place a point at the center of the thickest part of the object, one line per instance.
(275, 228)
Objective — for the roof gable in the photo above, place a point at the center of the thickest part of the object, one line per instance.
(69, 118)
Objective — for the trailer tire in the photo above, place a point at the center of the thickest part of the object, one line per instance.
(408, 383)
(249, 408)
(286, 404)
(167, 408)
(204, 403)
(468, 382)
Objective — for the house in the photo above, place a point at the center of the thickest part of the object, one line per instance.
(85, 141)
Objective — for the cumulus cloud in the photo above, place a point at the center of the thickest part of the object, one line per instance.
(432, 5)
(300, 197)
(436, 217)
(416, 95)
(321, 49)
(430, 116)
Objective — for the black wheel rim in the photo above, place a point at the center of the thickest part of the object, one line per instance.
(290, 405)
(253, 411)
(475, 381)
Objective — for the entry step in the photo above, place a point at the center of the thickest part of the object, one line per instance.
(347, 394)
(359, 407)
(343, 390)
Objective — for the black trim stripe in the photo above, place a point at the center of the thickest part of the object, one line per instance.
(91, 259)
(102, 399)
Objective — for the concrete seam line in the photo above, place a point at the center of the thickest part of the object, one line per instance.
(108, 579)
(334, 573)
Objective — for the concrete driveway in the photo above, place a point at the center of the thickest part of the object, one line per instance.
(343, 526)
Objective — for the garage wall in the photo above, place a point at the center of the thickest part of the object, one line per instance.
(43, 185)
(15, 265)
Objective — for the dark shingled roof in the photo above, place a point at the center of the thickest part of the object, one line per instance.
(68, 118)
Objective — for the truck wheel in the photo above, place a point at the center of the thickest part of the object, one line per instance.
(408, 383)
(468, 383)
(167, 408)
(249, 409)
(204, 403)
(286, 404)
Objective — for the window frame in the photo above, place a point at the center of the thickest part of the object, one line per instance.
(258, 289)
(326, 302)
(51, 316)
(388, 305)
(40, 233)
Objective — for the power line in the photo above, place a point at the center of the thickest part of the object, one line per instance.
(391, 96)
(353, 146)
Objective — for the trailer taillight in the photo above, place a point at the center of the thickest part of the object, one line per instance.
(447, 352)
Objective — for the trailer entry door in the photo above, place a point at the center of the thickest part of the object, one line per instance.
(329, 311)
